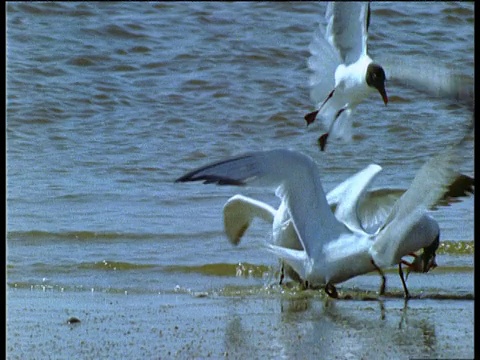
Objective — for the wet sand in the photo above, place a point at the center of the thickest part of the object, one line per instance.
(212, 325)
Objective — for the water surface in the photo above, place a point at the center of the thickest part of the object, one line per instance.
(108, 103)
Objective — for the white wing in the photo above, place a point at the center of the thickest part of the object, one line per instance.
(377, 204)
(297, 182)
(347, 28)
(323, 62)
(428, 76)
(363, 210)
(348, 195)
(239, 211)
(344, 41)
(375, 207)
(428, 187)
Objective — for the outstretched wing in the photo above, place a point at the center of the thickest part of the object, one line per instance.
(239, 211)
(377, 204)
(428, 76)
(297, 182)
(428, 187)
(348, 196)
(347, 28)
(323, 62)
(343, 41)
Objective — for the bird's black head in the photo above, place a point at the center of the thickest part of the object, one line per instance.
(425, 261)
(428, 255)
(376, 78)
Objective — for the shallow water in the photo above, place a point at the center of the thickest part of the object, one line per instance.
(109, 103)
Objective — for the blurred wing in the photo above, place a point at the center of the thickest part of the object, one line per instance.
(374, 208)
(347, 28)
(428, 187)
(428, 76)
(462, 186)
(297, 182)
(323, 62)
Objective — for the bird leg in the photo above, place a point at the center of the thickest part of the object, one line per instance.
(384, 279)
(400, 272)
(310, 117)
(322, 140)
(331, 290)
(412, 266)
(282, 274)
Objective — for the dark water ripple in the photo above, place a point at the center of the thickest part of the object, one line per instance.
(108, 103)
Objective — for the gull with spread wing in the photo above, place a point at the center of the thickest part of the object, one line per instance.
(351, 204)
(344, 74)
(333, 250)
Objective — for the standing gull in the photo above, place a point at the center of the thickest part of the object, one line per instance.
(352, 204)
(333, 251)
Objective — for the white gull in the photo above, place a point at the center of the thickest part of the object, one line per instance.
(343, 72)
(333, 250)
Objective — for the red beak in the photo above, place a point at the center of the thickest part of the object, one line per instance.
(384, 95)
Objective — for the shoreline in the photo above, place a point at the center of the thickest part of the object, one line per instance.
(182, 325)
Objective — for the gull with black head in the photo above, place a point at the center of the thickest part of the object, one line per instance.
(344, 74)
(332, 251)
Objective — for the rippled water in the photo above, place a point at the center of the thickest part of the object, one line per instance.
(108, 103)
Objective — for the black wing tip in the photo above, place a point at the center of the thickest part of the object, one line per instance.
(463, 185)
(210, 179)
(201, 174)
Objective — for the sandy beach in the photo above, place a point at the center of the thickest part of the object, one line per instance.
(109, 258)
(42, 324)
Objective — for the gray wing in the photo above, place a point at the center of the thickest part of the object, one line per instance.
(297, 182)
(377, 204)
(428, 187)
(347, 28)
(428, 76)
(347, 196)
